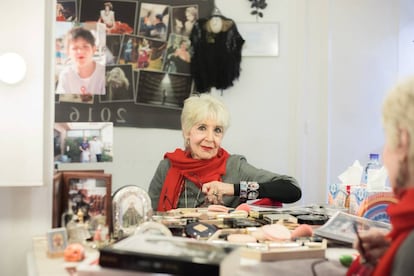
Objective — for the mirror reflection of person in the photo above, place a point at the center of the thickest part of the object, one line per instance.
(205, 172)
(83, 75)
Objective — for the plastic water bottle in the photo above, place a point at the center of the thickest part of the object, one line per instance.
(373, 164)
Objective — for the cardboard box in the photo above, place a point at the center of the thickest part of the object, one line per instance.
(370, 204)
(337, 195)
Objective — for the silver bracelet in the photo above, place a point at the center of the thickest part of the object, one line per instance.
(252, 190)
(243, 190)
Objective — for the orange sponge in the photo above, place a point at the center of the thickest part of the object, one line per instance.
(303, 230)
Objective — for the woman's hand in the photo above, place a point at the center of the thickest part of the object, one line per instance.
(374, 244)
(215, 190)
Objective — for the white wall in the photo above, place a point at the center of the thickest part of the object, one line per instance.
(363, 66)
(308, 112)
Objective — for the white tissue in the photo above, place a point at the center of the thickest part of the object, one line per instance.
(352, 175)
(376, 180)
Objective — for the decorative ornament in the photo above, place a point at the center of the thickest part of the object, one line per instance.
(258, 6)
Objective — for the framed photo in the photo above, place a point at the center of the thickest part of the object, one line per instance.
(88, 196)
(57, 240)
(261, 39)
(131, 206)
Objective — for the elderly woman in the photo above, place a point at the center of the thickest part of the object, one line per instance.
(205, 172)
(391, 253)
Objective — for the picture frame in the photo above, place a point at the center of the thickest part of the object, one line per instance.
(88, 195)
(57, 199)
(57, 240)
(261, 39)
(131, 206)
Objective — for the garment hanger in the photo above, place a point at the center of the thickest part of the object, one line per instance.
(216, 12)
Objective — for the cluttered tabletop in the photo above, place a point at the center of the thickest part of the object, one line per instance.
(215, 240)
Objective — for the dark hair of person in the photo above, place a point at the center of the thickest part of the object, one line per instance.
(83, 33)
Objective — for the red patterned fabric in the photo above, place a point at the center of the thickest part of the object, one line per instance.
(185, 167)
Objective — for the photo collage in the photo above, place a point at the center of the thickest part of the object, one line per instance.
(123, 52)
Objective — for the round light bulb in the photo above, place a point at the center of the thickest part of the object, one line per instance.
(12, 68)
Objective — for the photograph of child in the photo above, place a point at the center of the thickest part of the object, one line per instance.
(83, 71)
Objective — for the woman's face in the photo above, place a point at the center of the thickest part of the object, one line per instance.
(205, 139)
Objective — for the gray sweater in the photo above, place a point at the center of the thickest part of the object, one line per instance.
(282, 188)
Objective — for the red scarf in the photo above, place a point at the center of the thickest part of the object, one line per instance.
(402, 221)
(185, 167)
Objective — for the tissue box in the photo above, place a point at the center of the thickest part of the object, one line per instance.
(337, 195)
(370, 204)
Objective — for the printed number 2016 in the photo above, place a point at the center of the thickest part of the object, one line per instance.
(105, 115)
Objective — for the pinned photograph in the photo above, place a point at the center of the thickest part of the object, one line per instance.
(80, 59)
(183, 19)
(163, 90)
(119, 84)
(117, 16)
(83, 142)
(66, 10)
(154, 21)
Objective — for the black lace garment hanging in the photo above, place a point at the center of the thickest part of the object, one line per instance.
(215, 57)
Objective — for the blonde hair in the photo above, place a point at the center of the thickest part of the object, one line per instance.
(116, 78)
(398, 113)
(202, 107)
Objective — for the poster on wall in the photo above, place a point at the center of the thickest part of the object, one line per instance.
(124, 61)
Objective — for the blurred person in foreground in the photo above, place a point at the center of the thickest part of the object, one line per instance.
(205, 173)
(391, 253)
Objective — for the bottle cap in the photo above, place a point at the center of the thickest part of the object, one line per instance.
(373, 156)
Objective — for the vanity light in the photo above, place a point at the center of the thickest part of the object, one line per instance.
(12, 68)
